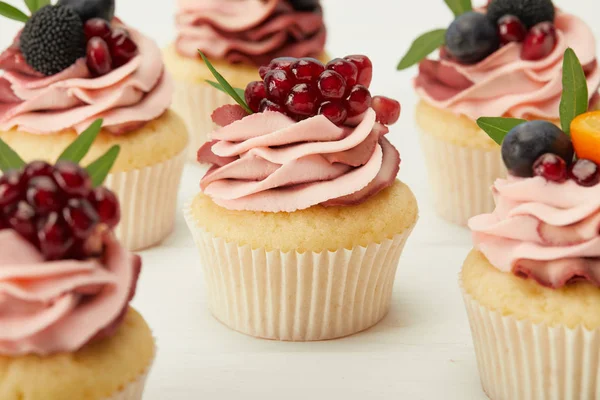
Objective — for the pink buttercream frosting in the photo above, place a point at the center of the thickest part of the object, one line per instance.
(271, 163)
(248, 31)
(542, 230)
(505, 84)
(60, 306)
(126, 98)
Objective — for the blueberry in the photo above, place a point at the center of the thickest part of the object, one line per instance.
(88, 9)
(524, 144)
(471, 38)
(305, 5)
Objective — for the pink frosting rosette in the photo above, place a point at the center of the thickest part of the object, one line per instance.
(248, 31)
(60, 306)
(504, 83)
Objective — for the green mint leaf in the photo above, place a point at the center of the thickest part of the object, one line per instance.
(226, 87)
(574, 100)
(11, 12)
(9, 159)
(216, 85)
(497, 128)
(459, 7)
(80, 147)
(99, 169)
(35, 5)
(423, 46)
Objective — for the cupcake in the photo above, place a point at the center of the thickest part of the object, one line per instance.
(54, 86)
(66, 282)
(300, 221)
(238, 36)
(532, 283)
(503, 60)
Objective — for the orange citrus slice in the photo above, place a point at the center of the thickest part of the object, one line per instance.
(585, 133)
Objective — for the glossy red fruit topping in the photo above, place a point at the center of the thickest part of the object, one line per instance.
(386, 109)
(539, 42)
(331, 85)
(334, 111)
(80, 217)
(54, 237)
(98, 58)
(21, 218)
(551, 167)
(107, 206)
(346, 69)
(122, 47)
(11, 188)
(307, 70)
(72, 179)
(359, 100)
(585, 173)
(302, 100)
(511, 29)
(268, 105)
(43, 195)
(365, 68)
(254, 94)
(97, 27)
(262, 71)
(279, 85)
(37, 168)
(282, 63)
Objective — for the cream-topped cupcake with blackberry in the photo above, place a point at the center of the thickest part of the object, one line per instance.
(72, 63)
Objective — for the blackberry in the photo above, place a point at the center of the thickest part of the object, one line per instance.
(530, 12)
(88, 9)
(53, 39)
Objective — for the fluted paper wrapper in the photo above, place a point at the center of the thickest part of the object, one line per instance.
(148, 198)
(195, 103)
(298, 296)
(133, 391)
(461, 178)
(520, 360)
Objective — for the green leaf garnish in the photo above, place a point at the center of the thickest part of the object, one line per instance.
(423, 46)
(459, 7)
(225, 86)
(574, 100)
(498, 127)
(99, 169)
(35, 5)
(80, 147)
(12, 12)
(9, 159)
(216, 85)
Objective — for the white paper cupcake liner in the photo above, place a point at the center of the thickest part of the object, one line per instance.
(133, 391)
(195, 103)
(520, 360)
(298, 296)
(148, 198)
(461, 177)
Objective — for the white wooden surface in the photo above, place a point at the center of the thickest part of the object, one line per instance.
(421, 350)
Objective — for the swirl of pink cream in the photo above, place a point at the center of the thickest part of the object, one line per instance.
(546, 231)
(126, 98)
(248, 31)
(271, 163)
(505, 84)
(52, 307)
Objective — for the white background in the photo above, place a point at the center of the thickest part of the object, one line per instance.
(421, 350)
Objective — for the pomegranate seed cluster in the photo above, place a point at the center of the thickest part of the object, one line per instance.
(305, 87)
(553, 168)
(56, 209)
(107, 48)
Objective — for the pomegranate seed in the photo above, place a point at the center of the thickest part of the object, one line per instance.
(346, 69)
(279, 85)
(551, 167)
(11, 188)
(302, 100)
(511, 29)
(81, 217)
(107, 206)
(365, 69)
(122, 48)
(72, 179)
(334, 111)
(539, 42)
(282, 63)
(43, 195)
(97, 27)
(99, 60)
(54, 237)
(37, 168)
(268, 105)
(262, 71)
(254, 94)
(386, 109)
(332, 85)
(359, 100)
(307, 70)
(585, 173)
(21, 218)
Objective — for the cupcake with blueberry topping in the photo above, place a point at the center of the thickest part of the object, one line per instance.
(74, 62)
(65, 284)
(300, 221)
(238, 37)
(504, 59)
(532, 283)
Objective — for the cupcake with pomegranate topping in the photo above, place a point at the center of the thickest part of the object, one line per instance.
(532, 283)
(504, 60)
(300, 221)
(238, 36)
(65, 284)
(69, 66)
